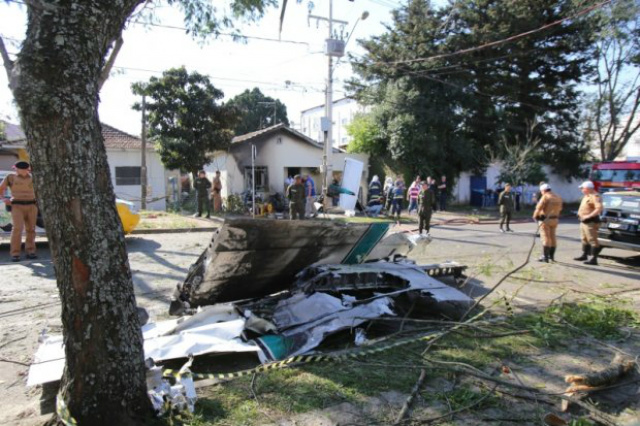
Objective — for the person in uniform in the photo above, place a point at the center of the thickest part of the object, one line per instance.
(548, 212)
(507, 205)
(24, 211)
(296, 195)
(425, 207)
(589, 214)
(216, 193)
(203, 186)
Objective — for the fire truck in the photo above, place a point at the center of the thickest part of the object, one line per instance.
(616, 176)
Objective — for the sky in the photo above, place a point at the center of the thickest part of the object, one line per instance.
(293, 70)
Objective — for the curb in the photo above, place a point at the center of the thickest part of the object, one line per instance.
(173, 231)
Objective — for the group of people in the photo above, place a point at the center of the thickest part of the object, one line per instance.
(547, 215)
(208, 193)
(392, 195)
(301, 193)
(422, 196)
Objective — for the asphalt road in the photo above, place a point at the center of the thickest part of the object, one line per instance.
(29, 303)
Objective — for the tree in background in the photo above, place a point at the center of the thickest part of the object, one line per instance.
(522, 163)
(56, 79)
(612, 112)
(414, 121)
(450, 100)
(256, 111)
(186, 120)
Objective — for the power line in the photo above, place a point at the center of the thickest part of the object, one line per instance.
(242, 36)
(497, 42)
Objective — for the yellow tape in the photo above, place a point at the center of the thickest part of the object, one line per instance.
(64, 415)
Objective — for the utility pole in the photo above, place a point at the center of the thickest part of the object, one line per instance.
(334, 47)
(143, 158)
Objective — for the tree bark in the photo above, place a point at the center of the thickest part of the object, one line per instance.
(56, 87)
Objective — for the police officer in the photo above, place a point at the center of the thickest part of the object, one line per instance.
(548, 212)
(589, 214)
(426, 198)
(507, 205)
(24, 212)
(396, 202)
(203, 187)
(296, 195)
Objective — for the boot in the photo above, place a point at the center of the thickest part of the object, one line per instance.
(586, 249)
(594, 256)
(552, 253)
(545, 255)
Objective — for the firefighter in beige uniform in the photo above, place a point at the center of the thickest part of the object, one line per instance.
(548, 211)
(589, 214)
(23, 210)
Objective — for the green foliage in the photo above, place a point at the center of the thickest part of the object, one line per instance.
(601, 317)
(256, 111)
(185, 119)
(2, 131)
(202, 18)
(443, 115)
(464, 396)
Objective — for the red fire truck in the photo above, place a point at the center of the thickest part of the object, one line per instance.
(616, 175)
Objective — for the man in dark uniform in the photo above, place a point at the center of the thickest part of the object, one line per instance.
(203, 186)
(296, 195)
(24, 211)
(507, 205)
(425, 207)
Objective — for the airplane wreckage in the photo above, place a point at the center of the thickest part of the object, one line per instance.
(278, 289)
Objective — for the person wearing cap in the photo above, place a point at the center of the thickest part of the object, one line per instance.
(24, 211)
(589, 214)
(548, 212)
(296, 195)
(507, 206)
(426, 198)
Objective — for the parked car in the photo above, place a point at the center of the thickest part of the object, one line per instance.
(127, 211)
(620, 220)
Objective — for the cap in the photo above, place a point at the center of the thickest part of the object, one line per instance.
(424, 182)
(544, 187)
(24, 165)
(297, 177)
(586, 184)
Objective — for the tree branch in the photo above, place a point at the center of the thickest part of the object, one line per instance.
(104, 75)
(8, 63)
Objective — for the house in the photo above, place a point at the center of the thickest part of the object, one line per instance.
(123, 156)
(281, 153)
(343, 113)
(469, 188)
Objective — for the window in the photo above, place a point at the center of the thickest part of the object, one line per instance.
(618, 176)
(127, 176)
(262, 181)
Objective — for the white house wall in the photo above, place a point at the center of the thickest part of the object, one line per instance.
(155, 177)
(568, 190)
(278, 153)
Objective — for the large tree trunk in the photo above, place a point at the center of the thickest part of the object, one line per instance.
(55, 83)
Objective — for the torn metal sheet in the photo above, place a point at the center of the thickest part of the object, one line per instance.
(214, 330)
(319, 315)
(254, 258)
